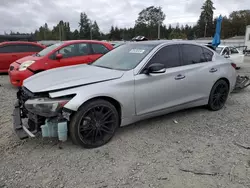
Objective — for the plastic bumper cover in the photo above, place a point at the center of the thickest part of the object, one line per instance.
(21, 130)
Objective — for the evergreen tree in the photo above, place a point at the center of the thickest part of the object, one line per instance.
(84, 26)
(95, 31)
(205, 23)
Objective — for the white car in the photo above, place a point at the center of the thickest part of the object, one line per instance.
(232, 53)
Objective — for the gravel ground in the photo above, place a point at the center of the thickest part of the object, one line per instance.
(155, 153)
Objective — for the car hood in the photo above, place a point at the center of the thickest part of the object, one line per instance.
(68, 77)
(28, 58)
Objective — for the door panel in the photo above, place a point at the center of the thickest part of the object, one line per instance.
(73, 61)
(5, 60)
(199, 71)
(158, 91)
(199, 79)
(236, 56)
(7, 56)
(94, 57)
(73, 54)
(155, 92)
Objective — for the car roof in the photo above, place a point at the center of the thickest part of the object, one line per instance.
(159, 42)
(20, 42)
(79, 41)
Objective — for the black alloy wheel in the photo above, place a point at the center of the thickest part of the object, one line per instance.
(218, 95)
(94, 124)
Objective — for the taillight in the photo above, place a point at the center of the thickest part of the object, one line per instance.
(233, 65)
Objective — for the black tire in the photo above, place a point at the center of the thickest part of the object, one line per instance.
(218, 95)
(94, 124)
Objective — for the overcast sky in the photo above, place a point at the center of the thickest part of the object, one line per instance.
(28, 15)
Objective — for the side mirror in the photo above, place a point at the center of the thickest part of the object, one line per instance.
(227, 56)
(59, 56)
(156, 68)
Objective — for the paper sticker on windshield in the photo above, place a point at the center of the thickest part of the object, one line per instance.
(137, 51)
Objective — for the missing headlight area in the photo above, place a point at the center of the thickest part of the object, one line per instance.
(36, 112)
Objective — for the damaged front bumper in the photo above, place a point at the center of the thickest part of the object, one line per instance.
(34, 113)
(21, 130)
(49, 127)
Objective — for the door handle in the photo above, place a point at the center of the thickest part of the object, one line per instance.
(179, 77)
(213, 70)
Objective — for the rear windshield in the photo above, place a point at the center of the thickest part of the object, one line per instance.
(47, 50)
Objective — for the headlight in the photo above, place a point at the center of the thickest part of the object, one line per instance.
(45, 107)
(25, 65)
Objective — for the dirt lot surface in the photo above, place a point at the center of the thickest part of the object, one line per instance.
(194, 148)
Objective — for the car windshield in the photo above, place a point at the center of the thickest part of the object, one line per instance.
(125, 57)
(218, 50)
(47, 50)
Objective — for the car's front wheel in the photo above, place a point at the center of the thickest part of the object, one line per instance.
(94, 124)
(218, 95)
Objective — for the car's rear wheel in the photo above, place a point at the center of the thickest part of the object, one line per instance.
(94, 124)
(218, 95)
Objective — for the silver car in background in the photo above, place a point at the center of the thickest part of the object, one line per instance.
(136, 81)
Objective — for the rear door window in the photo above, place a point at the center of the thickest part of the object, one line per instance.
(208, 54)
(74, 50)
(192, 54)
(20, 48)
(27, 48)
(33, 48)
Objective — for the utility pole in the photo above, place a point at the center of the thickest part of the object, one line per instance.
(90, 30)
(90, 33)
(59, 27)
(159, 30)
(62, 29)
(159, 27)
(205, 32)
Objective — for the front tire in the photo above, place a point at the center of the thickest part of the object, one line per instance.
(94, 124)
(218, 95)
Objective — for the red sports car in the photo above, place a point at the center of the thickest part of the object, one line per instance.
(61, 54)
(11, 51)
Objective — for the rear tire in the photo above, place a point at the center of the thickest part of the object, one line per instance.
(218, 95)
(94, 124)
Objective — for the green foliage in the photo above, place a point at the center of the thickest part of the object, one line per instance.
(147, 25)
(148, 20)
(84, 26)
(151, 16)
(95, 31)
(205, 22)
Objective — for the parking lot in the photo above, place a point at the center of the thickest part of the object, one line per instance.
(195, 148)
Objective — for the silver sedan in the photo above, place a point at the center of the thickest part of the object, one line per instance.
(135, 81)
